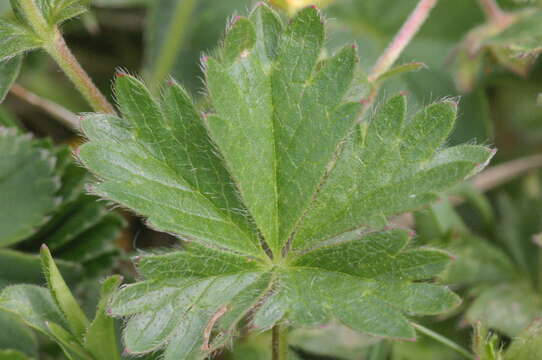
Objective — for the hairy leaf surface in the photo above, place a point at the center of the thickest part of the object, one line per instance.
(280, 191)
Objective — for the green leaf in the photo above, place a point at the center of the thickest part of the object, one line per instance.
(387, 167)
(278, 189)
(16, 336)
(55, 12)
(9, 71)
(62, 295)
(16, 38)
(68, 342)
(58, 11)
(216, 298)
(209, 212)
(33, 304)
(100, 337)
(28, 186)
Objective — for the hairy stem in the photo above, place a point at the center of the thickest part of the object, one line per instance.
(173, 42)
(492, 10)
(280, 342)
(403, 38)
(54, 44)
(63, 115)
(71, 67)
(444, 341)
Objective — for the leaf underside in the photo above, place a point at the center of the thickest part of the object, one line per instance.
(279, 164)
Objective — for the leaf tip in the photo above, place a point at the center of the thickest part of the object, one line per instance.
(45, 253)
(120, 74)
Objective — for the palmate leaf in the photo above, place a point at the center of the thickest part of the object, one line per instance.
(279, 190)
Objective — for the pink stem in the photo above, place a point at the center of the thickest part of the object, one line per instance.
(492, 9)
(403, 38)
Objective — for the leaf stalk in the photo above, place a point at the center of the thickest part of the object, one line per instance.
(60, 52)
(280, 342)
(405, 35)
(56, 47)
(492, 10)
(63, 115)
(444, 341)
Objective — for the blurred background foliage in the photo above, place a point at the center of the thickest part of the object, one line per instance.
(491, 226)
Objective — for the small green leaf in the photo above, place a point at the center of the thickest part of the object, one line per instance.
(28, 186)
(9, 71)
(58, 11)
(15, 335)
(33, 304)
(16, 38)
(68, 342)
(62, 295)
(100, 337)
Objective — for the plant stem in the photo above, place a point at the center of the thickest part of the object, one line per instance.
(444, 341)
(69, 64)
(173, 42)
(403, 38)
(55, 45)
(63, 115)
(280, 342)
(492, 10)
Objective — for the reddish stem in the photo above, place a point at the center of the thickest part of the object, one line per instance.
(403, 38)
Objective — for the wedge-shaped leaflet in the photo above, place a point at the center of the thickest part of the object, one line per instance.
(279, 126)
(389, 166)
(207, 290)
(366, 284)
(160, 162)
(28, 186)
